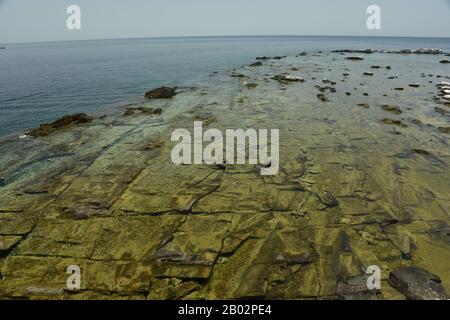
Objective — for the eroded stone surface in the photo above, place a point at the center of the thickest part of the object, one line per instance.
(350, 193)
(418, 284)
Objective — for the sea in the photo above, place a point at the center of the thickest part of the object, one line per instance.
(40, 82)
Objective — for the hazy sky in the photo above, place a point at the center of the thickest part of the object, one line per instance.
(45, 20)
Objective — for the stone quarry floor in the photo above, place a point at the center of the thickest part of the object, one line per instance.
(105, 195)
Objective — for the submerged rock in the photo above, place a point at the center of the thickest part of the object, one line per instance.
(238, 75)
(206, 118)
(325, 80)
(355, 58)
(393, 109)
(393, 122)
(421, 151)
(285, 79)
(8, 242)
(322, 97)
(64, 122)
(444, 129)
(251, 85)
(256, 64)
(161, 93)
(417, 284)
(295, 259)
(323, 89)
(328, 199)
(355, 288)
(131, 111)
(441, 111)
(445, 61)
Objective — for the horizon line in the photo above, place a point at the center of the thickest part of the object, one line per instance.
(222, 36)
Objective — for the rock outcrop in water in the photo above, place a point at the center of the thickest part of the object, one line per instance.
(443, 93)
(271, 58)
(355, 51)
(64, 122)
(355, 58)
(286, 78)
(432, 51)
(145, 110)
(161, 93)
(393, 109)
(256, 64)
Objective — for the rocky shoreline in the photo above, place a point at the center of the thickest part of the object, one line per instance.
(363, 182)
(397, 51)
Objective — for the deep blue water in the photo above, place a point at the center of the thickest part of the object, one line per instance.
(40, 82)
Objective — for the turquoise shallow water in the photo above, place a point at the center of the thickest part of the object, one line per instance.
(42, 81)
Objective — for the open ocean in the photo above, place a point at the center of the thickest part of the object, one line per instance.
(40, 82)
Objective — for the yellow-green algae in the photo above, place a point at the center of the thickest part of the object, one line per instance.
(106, 196)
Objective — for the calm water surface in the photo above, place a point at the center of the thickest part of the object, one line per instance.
(42, 81)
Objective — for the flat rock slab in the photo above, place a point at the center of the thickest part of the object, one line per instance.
(418, 284)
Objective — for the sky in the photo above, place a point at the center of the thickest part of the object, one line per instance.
(45, 20)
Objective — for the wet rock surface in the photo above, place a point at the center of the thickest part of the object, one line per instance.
(256, 64)
(144, 110)
(286, 78)
(355, 58)
(64, 122)
(418, 284)
(353, 191)
(161, 93)
(393, 109)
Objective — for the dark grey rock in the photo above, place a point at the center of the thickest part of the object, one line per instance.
(355, 58)
(355, 288)
(355, 51)
(256, 64)
(417, 284)
(328, 199)
(161, 93)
